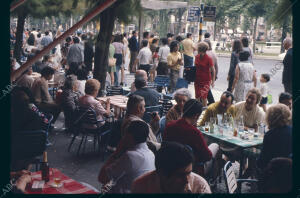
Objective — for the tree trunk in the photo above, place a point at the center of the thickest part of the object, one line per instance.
(19, 35)
(107, 20)
(284, 33)
(254, 35)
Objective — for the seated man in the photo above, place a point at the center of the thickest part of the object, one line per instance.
(286, 98)
(184, 131)
(150, 96)
(138, 74)
(136, 160)
(221, 107)
(173, 174)
(41, 94)
(181, 96)
(249, 110)
(69, 100)
(26, 80)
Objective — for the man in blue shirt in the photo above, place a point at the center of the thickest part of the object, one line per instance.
(46, 40)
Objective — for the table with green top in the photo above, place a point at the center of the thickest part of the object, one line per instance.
(228, 140)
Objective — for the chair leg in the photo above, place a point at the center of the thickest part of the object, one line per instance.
(95, 141)
(84, 143)
(80, 145)
(71, 143)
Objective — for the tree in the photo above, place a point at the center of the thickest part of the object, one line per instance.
(282, 17)
(38, 9)
(256, 9)
(122, 10)
(246, 25)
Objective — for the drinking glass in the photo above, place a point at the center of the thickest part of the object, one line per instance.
(206, 128)
(57, 180)
(219, 117)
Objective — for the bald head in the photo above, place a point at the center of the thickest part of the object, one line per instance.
(141, 73)
(287, 43)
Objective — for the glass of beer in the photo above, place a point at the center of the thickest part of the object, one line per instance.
(57, 180)
(206, 127)
(235, 132)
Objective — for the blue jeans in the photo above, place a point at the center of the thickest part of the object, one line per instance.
(188, 61)
(116, 74)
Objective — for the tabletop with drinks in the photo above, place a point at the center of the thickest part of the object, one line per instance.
(225, 129)
(52, 181)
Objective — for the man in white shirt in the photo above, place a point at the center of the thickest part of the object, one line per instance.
(144, 57)
(137, 160)
(162, 68)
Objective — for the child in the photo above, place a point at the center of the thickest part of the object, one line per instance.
(264, 78)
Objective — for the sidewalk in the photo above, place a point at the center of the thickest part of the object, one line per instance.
(258, 57)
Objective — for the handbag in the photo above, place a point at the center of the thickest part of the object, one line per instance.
(189, 74)
(112, 62)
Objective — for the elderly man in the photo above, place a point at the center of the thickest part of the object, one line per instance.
(76, 52)
(288, 65)
(221, 107)
(181, 96)
(249, 110)
(173, 174)
(138, 74)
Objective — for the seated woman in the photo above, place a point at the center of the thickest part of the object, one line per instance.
(69, 99)
(92, 87)
(181, 96)
(41, 94)
(278, 140)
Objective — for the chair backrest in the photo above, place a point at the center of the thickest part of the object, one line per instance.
(162, 126)
(162, 80)
(28, 144)
(86, 115)
(229, 177)
(166, 105)
(181, 83)
(112, 91)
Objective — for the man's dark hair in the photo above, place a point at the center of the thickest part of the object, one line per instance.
(118, 38)
(132, 102)
(277, 175)
(245, 42)
(169, 35)
(164, 41)
(266, 77)
(139, 130)
(39, 35)
(33, 29)
(244, 55)
(68, 39)
(47, 33)
(46, 71)
(179, 38)
(154, 40)
(188, 35)
(173, 45)
(133, 32)
(152, 36)
(145, 34)
(124, 34)
(46, 58)
(81, 74)
(144, 43)
(84, 37)
(228, 94)
(284, 96)
(171, 157)
(191, 108)
(206, 35)
(76, 39)
(139, 82)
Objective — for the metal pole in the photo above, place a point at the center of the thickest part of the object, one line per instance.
(58, 40)
(17, 4)
(200, 20)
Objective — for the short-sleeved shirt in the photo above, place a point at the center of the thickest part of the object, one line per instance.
(145, 56)
(163, 53)
(172, 58)
(203, 66)
(132, 164)
(188, 47)
(90, 101)
(119, 47)
(263, 89)
(150, 183)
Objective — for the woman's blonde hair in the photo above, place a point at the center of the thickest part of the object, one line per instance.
(202, 47)
(278, 115)
(91, 86)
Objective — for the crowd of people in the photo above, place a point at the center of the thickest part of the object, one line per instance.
(140, 163)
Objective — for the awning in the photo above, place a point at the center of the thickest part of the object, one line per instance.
(161, 5)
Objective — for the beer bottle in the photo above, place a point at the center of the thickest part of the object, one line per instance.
(45, 168)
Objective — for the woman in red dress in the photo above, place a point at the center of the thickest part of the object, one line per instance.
(205, 73)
